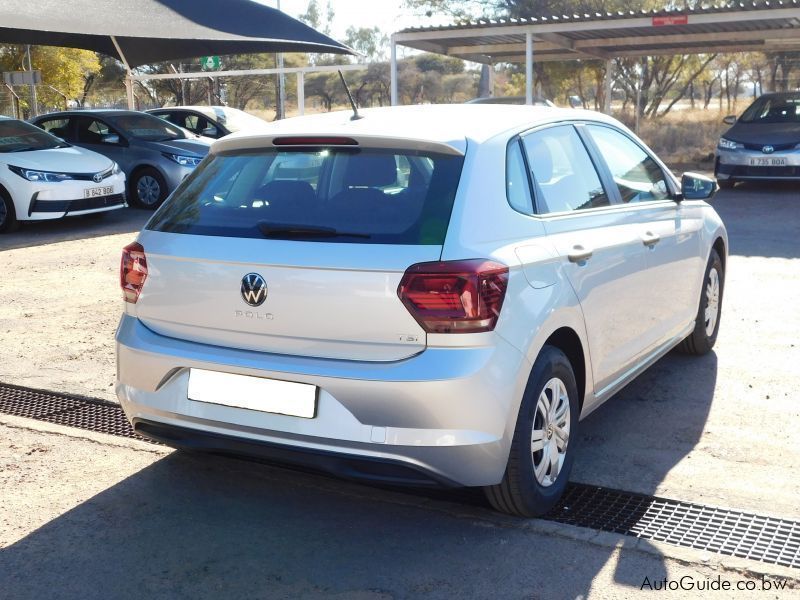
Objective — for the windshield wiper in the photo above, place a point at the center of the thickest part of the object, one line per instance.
(24, 149)
(280, 231)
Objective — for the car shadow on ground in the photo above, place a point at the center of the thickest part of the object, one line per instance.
(41, 233)
(762, 218)
(201, 526)
(192, 526)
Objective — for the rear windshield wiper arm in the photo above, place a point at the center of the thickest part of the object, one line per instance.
(280, 231)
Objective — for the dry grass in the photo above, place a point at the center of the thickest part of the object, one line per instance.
(685, 137)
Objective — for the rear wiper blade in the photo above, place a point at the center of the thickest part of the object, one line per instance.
(284, 230)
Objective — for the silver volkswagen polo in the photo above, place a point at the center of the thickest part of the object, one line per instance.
(427, 295)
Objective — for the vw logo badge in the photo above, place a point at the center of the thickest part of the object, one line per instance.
(254, 289)
(768, 149)
(98, 177)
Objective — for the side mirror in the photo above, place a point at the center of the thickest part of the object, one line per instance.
(697, 187)
(210, 132)
(729, 120)
(111, 138)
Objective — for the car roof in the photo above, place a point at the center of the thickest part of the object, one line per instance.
(449, 124)
(101, 112)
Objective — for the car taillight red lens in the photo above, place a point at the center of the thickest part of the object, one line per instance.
(132, 271)
(463, 296)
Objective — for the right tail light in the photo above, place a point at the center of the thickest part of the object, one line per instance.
(462, 296)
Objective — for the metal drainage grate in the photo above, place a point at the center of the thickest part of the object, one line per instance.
(62, 409)
(720, 530)
(724, 531)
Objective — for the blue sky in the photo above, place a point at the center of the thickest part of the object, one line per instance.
(388, 15)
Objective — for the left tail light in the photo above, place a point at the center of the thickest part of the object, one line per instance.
(132, 271)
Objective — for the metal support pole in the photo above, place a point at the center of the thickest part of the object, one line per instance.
(491, 81)
(528, 68)
(639, 96)
(607, 80)
(34, 108)
(14, 102)
(393, 73)
(281, 82)
(301, 94)
(128, 78)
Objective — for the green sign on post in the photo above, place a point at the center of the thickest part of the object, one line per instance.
(210, 63)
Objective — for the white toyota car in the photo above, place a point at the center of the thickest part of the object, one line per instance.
(423, 295)
(43, 177)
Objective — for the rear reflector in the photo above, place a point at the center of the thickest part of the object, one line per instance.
(132, 271)
(462, 296)
(314, 141)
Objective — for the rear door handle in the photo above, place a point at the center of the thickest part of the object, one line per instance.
(579, 254)
(650, 239)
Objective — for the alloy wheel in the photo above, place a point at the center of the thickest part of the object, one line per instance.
(550, 433)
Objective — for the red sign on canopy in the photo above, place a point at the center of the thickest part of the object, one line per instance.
(671, 20)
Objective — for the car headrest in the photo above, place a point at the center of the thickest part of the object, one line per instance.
(370, 171)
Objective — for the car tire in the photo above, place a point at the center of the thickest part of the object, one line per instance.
(148, 188)
(706, 326)
(8, 215)
(533, 483)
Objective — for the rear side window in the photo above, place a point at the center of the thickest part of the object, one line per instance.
(369, 196)
(564, 175)
(56, 127)
(518, 189)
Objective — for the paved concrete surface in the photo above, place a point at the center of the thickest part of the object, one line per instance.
(721, 429)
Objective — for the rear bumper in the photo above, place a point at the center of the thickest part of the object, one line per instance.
(348, 466)
(446, 415)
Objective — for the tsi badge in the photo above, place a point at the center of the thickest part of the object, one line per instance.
(254, 289)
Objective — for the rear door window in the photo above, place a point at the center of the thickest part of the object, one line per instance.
(370, 196)
(57, 127)
(562, 171)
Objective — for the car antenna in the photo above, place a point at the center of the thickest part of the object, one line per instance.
(355, 116)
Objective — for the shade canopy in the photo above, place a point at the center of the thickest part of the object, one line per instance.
(149, 31)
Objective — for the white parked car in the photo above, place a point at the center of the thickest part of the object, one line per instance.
(424, 295)
(43, 177)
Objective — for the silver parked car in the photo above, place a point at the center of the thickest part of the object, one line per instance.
(430, 294)
(764, 143)
(210, 121)
(154, 154)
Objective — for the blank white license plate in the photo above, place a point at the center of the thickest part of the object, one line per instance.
(767, 162)
(253, 393)
(97, 192)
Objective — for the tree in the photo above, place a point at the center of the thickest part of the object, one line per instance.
(66, 69)
(369, 41)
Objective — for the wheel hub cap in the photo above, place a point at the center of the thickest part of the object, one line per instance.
(712, 302)
(148, 190)
(550, 433)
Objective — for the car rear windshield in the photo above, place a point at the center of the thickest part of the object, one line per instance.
(147, 128)
(351, 195)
